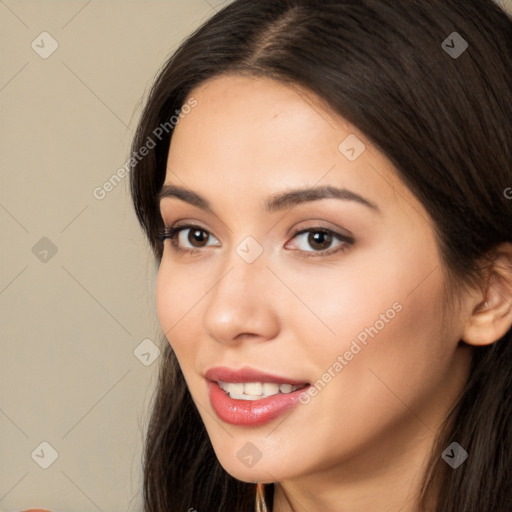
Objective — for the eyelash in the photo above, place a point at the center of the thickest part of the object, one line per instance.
(172, 232)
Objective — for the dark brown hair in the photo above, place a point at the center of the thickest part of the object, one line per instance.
(446, 125)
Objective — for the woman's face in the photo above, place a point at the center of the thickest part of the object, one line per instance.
(338, 288)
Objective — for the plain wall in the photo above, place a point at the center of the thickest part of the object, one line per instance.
(79, 331)
(71, 321)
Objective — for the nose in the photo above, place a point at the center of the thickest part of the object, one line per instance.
(244, 304)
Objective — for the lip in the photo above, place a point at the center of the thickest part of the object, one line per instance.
(250, 413)
(247, 374)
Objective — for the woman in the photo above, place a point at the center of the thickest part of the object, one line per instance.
(326, 189)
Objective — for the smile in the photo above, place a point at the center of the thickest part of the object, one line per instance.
(256, 390)
(248, 397)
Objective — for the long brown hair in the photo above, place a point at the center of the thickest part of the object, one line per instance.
(444, 121)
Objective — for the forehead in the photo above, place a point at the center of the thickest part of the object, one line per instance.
(243, 107)
(252, 136)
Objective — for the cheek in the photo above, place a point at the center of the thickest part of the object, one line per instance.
(165, 294)
(375, 369)
(340, 306)
(366, 324)
(177, 295)
(392, 349)
(388, 297)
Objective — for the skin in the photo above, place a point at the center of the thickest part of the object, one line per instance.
(361, 444)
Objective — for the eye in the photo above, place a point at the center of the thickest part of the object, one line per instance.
(187, 238)
(321, 241)
(190, 238)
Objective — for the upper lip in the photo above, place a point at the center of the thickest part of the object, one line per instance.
(247, 374)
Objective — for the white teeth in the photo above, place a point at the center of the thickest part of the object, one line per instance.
(255, 390)
(269, 388)
(244, 397)
(237, 388)
(223, 385)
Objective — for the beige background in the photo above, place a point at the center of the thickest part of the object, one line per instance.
(79, 334)
(70, 324)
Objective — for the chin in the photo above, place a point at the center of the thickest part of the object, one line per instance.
(260, 473)
(242, 460)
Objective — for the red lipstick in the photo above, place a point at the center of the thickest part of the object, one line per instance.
(249, 412)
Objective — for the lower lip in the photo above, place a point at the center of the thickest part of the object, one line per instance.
(250, 412)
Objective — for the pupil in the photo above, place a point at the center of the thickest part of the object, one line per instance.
(321, 239)
(197, 236)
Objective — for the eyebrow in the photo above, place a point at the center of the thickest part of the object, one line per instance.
(275, 202)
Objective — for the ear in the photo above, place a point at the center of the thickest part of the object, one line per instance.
(491, 315)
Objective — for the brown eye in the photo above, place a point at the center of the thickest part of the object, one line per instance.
(319, 239)
(197, 237)
(188, 238)
(320, 242)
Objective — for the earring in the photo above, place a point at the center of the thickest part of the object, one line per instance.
(261, 505)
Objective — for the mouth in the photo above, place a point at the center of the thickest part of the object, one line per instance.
(257, 390)
(248, 397)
